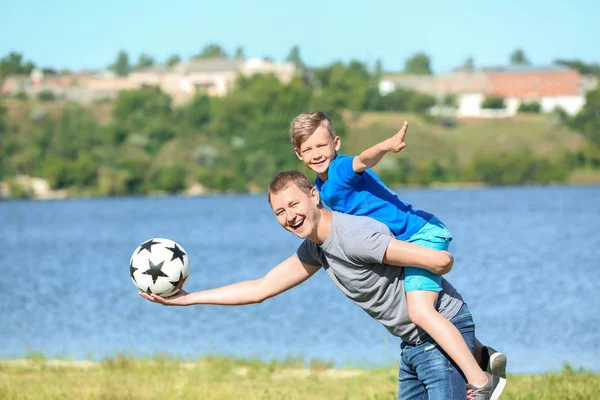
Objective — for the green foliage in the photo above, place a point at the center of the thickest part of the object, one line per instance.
(518, 57)
(342, 86)
(20, 95)
(493, 102)
(582, 67)
(173, 60)
(533, 107)
(419, 63)
(518, 168)
(57, 172)
(212, 50)
(171, 179)
(294, 57)
(587, 120)
(46, 95)
(13, 64)
(401, 100)
(196, 113)
(450, 100)
(18, 191)
(121, 65)
(145, 61)
(140, 142)
(239, 53)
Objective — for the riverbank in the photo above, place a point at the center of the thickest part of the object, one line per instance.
(120, 377)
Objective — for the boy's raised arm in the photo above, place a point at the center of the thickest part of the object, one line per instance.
(370, 157)
(282, 277)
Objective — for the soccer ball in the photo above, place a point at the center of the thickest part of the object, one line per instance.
(159, 266)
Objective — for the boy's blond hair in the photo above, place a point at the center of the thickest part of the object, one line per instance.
(305, 124)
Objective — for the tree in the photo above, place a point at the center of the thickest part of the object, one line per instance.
(450, 100)
(173, 60)
(518, 58)
(121, 66)
(583, 68)
(239, 53)
(13, 64)
(144, 61)
(212, 50)
(378, 71)
(294, 57)
(468, 65)
(419, 64)
(587, 120)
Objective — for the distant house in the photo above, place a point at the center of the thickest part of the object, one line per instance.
(81, 87)
(214, 76)
(552, 86)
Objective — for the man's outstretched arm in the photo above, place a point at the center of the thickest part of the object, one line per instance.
(282, 277)
(404, 254)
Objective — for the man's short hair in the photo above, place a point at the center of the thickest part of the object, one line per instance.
(305, 124)
(286, 178)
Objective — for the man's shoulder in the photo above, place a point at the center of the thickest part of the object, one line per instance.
(349, 224)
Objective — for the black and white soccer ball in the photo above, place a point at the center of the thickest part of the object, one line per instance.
(159, 266)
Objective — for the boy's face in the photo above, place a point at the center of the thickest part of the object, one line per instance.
(318, 151)
(296, 211)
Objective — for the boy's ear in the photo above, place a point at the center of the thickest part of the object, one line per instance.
(337, 143)
(297, 151)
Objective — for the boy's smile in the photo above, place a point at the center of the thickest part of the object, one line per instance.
(318, 151)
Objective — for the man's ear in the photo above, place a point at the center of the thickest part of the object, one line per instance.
(315, 197)
(337, 143)
(297, 151)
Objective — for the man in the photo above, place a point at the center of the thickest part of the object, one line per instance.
(364, 261)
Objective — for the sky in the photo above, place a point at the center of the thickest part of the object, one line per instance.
(80, 34)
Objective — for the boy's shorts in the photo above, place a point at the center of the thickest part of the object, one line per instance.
(434, 235)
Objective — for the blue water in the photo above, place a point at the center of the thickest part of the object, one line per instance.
(527, 263)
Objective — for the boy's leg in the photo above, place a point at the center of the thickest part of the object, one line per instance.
(422, 287)
(422, 312)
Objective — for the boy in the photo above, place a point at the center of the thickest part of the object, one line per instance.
(347, 185)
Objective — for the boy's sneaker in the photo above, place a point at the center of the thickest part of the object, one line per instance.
(496, 362)
(490, 391)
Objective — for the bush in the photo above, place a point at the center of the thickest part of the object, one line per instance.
(493, 102)
(171, 179)
(46, 95)
(533, 107)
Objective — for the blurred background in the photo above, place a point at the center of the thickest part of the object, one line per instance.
(168, 119)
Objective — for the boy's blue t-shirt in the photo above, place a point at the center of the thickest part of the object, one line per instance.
(365, 194)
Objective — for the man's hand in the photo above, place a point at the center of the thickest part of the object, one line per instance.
(176, 300)
(396, 142)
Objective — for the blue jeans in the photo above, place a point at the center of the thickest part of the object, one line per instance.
(426, 371)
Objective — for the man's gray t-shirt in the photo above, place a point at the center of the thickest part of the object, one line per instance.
(352, 256)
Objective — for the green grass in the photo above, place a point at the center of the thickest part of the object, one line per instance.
(165, 378)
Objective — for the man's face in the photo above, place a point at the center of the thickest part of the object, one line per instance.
(296, 211)
(319, 150)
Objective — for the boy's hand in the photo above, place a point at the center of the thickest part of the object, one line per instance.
(396, 142)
